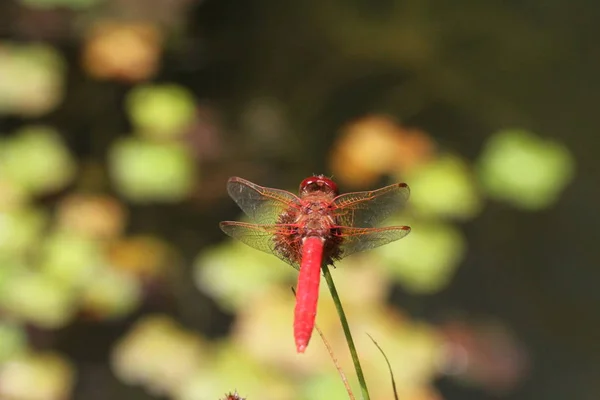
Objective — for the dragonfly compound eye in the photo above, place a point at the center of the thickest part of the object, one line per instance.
(318, 183)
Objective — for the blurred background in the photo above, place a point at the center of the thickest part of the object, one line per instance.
(121, 121)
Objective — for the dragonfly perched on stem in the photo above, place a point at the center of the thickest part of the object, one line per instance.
(319, 226)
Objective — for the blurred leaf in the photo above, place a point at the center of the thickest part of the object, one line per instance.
(146, 257)
(366, 149)
(324, 386)
(71, 258)
(13, 340)
(231, 367)
(375, 145)
(425, 260)
(444, 187)
(12, 195)
(42, 376)
(9, 268)
(93, 216)
(20, 231)
(374, 285)
(232, 273)
(123, 49)
(158, 354)
(144, 171)
(31, 79)
(528, 171)
(36, 159)
(161, 111)
(39, 299)
(264, 330)
(112, 293)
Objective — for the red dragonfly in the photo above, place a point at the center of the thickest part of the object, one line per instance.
(318, 226)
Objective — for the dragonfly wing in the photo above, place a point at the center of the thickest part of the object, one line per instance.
(367, 209)
(261, 237)
(263, 205)
(355, 240)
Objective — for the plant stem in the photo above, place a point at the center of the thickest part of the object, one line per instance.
(346, 327)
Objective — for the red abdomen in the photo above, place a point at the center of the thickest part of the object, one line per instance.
(307, 291)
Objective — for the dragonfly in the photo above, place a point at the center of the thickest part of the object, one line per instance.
(318, 226)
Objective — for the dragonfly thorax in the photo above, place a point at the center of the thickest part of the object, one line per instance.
(312, 218)
(315, 219)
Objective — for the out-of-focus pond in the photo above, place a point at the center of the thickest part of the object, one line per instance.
(121, 121)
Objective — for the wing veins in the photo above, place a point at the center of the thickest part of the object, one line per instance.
(257, 236)
(263, 205)
(360, 239)
(367, 209)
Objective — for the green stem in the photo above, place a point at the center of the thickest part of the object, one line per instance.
(346, 327)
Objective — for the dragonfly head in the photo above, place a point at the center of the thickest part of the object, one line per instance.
(319, 183)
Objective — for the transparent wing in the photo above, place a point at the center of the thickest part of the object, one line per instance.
(263, 205)
(261, 237)
(361, 239)
(367, 209)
